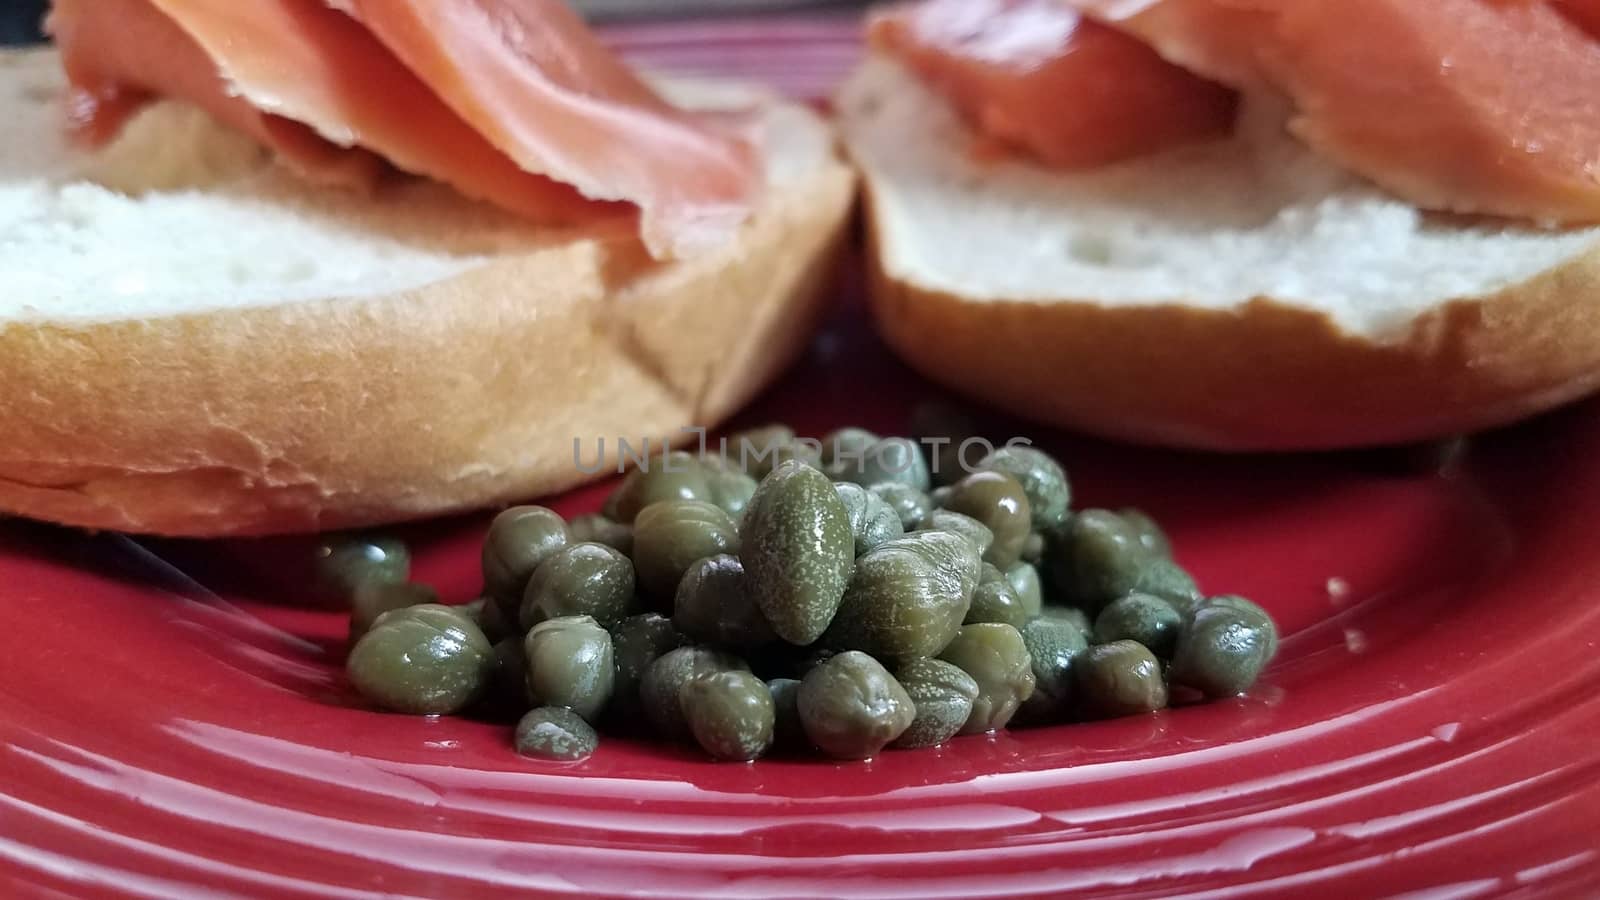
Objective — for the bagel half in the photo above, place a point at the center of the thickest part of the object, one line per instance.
(1241, 295)
(193, 343)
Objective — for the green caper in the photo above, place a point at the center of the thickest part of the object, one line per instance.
(891, 459)
(995, 601)
(851, 707)
(658, 690)
(806, 451)
(907, 597)
(997, 659)
(1093, 559)
(759, 437)
(1053, 645)
(519, 540)
(556, 733)
(731, 491)
(757, 451)
(669, 536)
(346, 563)
(871, 520)
(943, 695)
(595, 528)
(1140, 617)
(672, 476)
(712, 605)
(761, 451)
(998, 501)
(719, 460)
(1042, 479)
(1024, 579)
(959, 556)
(1221, 651)
(977, 533)
(373, 598)
(1033, 549)
(787, 730)
(1122, 678)
(1146, 531)
(571, 663)
(716, 463)
(580, 580)
(798, 551)
(1099, 559)
(1164, 578)
(731, 715)
(1069, 614)
(910, 504)
(427, 660)
(846, 445)
(635, 644)
(1252, 611)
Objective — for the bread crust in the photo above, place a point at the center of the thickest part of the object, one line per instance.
(1265, 375)
(465, 393)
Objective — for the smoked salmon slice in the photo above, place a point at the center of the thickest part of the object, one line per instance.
(121, 54)
(1036, 75)
(314, 82)
(308, 82)
(1470, 106)
(1219, 39)
(532, 78)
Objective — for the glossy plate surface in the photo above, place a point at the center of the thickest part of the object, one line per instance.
(171, 724)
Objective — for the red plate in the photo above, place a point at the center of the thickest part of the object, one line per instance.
(170, 725)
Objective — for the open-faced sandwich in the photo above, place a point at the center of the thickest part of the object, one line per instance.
(304, 264)
(1239, 224)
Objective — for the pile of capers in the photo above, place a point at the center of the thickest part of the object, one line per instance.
(783, 597)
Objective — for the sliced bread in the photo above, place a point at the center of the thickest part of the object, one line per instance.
(192, 342)
(1239, 295)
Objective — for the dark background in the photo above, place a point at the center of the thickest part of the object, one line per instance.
(19, 20)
